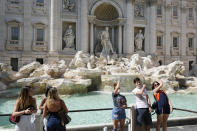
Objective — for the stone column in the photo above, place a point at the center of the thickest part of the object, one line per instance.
(120, 39)
(84, 26)
(183, 38)
(55, 25)
(128, 45)
(112, 35)
(91, 20)
(152, 43)
(91, 38)
(28, 30)
(55, 30)
(167, 37)
(3, 32)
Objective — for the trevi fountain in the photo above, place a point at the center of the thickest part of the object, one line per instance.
(91, 45)
(87, 81)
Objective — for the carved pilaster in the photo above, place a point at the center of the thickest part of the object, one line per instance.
(91, 20)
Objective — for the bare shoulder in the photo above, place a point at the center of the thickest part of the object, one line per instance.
(17, 102)
(44, 99)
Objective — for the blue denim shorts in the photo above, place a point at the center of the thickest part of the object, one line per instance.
(118, 113)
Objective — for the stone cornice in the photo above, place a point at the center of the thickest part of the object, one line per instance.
(119, 21)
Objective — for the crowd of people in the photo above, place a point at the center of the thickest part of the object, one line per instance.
(52, 104)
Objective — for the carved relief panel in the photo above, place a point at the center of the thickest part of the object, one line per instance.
(69, 6)
(14, 6)
(40, 7)
(139, 10)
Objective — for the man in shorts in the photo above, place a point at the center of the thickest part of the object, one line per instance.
(143, 106)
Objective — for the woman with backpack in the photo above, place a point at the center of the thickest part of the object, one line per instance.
(118, 112)
(163, 105)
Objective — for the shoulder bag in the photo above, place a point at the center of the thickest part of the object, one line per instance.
(14, 119)
(65, 119)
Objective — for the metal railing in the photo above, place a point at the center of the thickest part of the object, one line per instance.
(130, 124)
(83, 110)
(96, 127)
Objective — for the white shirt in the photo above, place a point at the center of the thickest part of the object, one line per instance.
(141, 100)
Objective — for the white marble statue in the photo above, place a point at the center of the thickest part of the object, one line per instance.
(139, 40)
(106, 44)
(136, 63)
(69, 37)
(85, 67)
(147, 62)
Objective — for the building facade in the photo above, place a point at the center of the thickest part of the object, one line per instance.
(47, 30)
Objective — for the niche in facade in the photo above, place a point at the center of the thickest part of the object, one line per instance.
(68, 36)
(139, 44)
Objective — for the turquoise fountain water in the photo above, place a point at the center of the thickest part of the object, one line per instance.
(99, 100)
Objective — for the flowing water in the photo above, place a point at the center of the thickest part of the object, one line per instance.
(94, 100)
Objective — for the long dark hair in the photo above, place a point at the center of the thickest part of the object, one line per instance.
(47, 90)
(24, 99)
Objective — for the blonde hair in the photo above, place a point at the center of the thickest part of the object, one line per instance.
(52, 97)
(24, 100)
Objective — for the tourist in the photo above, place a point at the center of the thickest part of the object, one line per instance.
(163, 105)
(41, 107)
(53, 106)
(143, 106)
(25, 106)
(118, 112)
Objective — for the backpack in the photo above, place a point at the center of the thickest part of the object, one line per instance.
(121, 100)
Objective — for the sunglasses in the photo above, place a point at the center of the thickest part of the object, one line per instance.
(156, 84)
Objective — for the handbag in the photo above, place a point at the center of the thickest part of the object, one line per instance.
(65, 119)
(14, 119)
